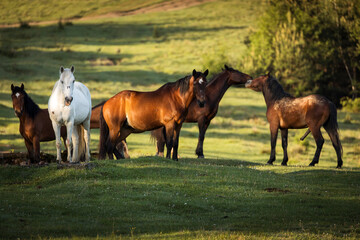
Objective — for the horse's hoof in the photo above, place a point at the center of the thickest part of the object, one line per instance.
(283, 164)
(312, 165)
(201, 156)
(270, 162)
(339, 166)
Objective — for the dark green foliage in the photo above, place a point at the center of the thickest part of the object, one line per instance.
(311, 46)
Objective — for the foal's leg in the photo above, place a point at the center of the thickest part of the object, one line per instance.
(36, 145)
(57, 128)
(274, 133)
(30, 149)
(319, 143)
(284, 141)
(203, 125)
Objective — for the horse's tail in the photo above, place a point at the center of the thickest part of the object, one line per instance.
(332, 128)
(104, 136)
(82, 145)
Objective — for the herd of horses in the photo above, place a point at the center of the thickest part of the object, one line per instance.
(163, 111)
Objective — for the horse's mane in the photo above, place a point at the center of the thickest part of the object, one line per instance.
(31, 108)
(276, 90)
(182, 83)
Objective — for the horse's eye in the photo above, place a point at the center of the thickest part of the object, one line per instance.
(62, 82)
(73, 81)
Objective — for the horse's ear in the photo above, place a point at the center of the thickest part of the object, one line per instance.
(72, 69)
(206, 72)
(268, 74)
(226, 67)
(22, 86)
(12, 87)
(61, 69)
(194, 72)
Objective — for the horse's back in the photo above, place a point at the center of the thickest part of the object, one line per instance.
(297, 112)
(82, 102)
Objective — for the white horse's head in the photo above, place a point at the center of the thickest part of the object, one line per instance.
(66, 83)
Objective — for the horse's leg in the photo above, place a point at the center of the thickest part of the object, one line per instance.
(203, 125)
(75, 142)
(30, 149)
(284, 141)
(274, 133)
(319, 143)
(176, 141)
(169, 137)
(125, 149)
(57, 128)
(69, 143)
(160, 141)
(36, 145)
(86, 126)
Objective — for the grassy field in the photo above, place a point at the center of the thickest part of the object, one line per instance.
(231, 194)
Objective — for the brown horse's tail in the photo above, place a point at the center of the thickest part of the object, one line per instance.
(332, 128)
(104, 137)
(82, 146)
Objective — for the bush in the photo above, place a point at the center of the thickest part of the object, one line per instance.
(350, 105)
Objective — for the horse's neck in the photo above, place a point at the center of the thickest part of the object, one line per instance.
(269, 97)
(217, 88)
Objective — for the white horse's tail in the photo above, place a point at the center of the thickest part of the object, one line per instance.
(82, 145)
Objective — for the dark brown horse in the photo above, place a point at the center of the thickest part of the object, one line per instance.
(134, 112)
(215, 90)
(287, 112)
(121, 150)
(35, 123)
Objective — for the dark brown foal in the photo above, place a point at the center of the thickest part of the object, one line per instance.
(35, 124)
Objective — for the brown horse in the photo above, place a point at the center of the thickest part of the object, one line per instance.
(35, 123)
(287, 112)
(123, 151)
(134, 112)
(215, 90)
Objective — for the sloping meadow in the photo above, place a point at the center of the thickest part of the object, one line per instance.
(230, 194)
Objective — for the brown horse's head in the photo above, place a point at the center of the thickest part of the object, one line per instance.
(258, 83)
(200, 83)
(18, 99)
(236, 77)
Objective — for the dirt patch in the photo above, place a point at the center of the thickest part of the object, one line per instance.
(21, 159)
(160, 7)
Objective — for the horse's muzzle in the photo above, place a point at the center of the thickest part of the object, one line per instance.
(201, 103)
(18, 113)
(248, 83)
(68, 100)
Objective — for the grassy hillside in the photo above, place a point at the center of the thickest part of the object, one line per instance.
(229, 195)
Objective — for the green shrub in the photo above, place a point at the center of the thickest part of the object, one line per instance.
(350, 105)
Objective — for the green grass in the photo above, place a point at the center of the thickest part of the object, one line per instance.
(229, 195)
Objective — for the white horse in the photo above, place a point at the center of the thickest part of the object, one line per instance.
(70, 105)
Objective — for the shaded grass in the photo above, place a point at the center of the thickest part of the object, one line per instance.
(152, 195)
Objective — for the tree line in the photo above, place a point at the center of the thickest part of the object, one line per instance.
(311, 46)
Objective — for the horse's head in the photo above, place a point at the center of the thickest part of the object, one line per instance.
(236, 77)
(66, 83)
(258, 83)
(18, 99)
(200, 83)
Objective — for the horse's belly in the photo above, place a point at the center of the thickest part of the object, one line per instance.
(292, 123)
